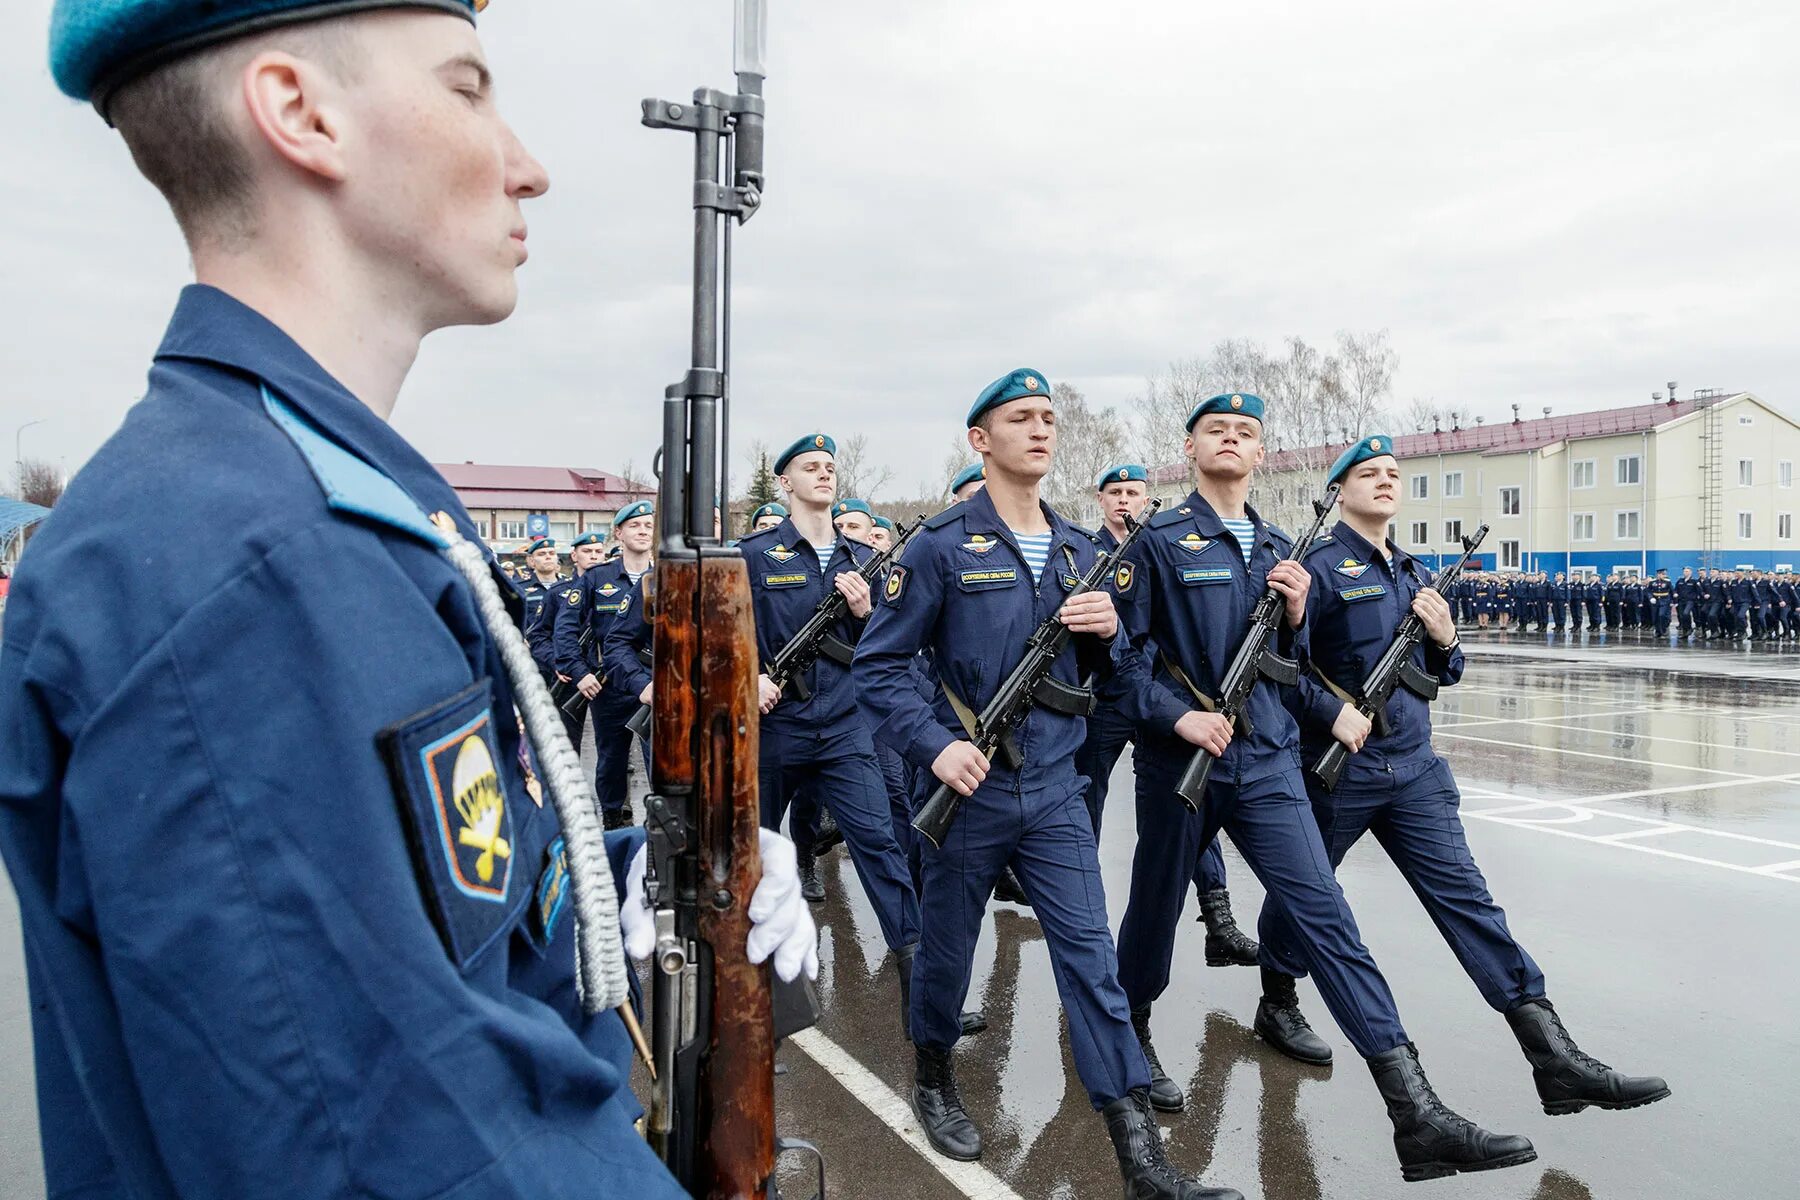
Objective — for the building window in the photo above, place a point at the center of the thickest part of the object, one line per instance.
(1453, 485)
(511, 531)
(1784, 473)
(1393, 532)
(563, 532)
(1581, 526)
(1509, 501)
(1744, 526)
(1581, 474)
(1420, 533)
(1509, 555)
(1784, 526)
(1625, 525)
(483, 530)
(1627, 470)
(1746, 472)
(1419, 488)
(1453, 532)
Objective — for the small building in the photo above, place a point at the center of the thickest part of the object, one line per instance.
(1703, 482)
(513, 504)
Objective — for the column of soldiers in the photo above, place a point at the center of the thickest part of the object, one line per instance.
(1699, 606)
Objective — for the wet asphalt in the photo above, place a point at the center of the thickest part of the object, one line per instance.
(1636, 810)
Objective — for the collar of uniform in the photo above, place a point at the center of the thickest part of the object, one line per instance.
(1395, 559)
(980, 516)
(1209, 523)
(788, 536)
(213, 327)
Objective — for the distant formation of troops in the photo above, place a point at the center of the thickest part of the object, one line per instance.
(1699, 606)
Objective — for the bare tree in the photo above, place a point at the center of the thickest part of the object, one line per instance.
(1418, 415)
(856, 475)
(956, 457)
(1364, 377)
(1088, 441)
(39, 482)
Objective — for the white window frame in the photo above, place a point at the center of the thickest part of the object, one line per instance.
(1580, 467)
(563, 532)
(1784, 473)
(1508, 558)
(1517, 494)
(1393, 534)
(1456, 492)
(1420, 533)
(1630, 573)
(1576, 521)
(1746, 525)
(1746, 472)
(1418, 487)
(1637, 523)
(1453, 531)
(1784, 527)
(1583, 573)
(1637, 470)
(509, 530)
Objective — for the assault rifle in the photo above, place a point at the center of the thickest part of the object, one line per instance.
(714, 1023)
(1395, 669)
(568, 697)
(1012, 702)
(789, 668)
(1255, 659)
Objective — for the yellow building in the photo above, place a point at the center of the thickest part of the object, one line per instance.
(1705, 482)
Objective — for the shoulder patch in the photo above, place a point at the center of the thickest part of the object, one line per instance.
(1124, 577)
(896, 585)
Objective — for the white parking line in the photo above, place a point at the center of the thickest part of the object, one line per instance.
(1481, 793)
(1647, 762)
(974, 1180)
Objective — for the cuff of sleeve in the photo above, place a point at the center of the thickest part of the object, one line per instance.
(930, 743)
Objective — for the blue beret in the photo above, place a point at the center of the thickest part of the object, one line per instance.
(972, 473)
(540, 543)
(97, 46)
(771, 509)
(852, 506)
(1374, 446)
(882, 522)
(805, 445)
(1236, 403)
(1011, 386)
(590, 538)
(642, 508)
(1123, 473)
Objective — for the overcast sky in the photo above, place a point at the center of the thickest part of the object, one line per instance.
(1559, 204)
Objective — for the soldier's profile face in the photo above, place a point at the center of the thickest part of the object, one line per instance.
(1371, 487)
(583, 557)
(968, 489)
(879, 538)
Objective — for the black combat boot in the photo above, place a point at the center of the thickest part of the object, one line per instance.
(812, 888)
(1146, 1169)
(939, 1107)
(829, 836)
(1280, 1022)
(1430, 1139)
(1164, 1092)
(972, 1022)
(1009, 889)
(628, 815)
(1226, 944)
(611, 819)
(1568, 1080)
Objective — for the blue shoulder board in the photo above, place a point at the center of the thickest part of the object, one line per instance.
(1171, 516)
(953, 513)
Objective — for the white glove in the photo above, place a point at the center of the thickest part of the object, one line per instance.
(781, 923)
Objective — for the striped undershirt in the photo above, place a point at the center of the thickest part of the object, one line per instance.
(1245, 533)
(825, 552)
(1036, 549)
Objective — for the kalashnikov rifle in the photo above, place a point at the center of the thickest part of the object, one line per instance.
(1255, 659)
(1395, 669)
(1012, 701)
(712, 1110)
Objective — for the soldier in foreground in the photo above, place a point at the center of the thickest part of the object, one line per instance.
(977, 582)
(218, 772)
(1397, 787)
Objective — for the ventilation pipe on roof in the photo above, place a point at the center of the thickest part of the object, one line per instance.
(1671, 392)
(1437, 426)
(1455, 425)
(1515, 414)
(1479, 420)
(1546, 410)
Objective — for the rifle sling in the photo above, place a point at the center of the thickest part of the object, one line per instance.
(1205, 702)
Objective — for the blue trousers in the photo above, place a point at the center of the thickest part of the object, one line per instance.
(897, 776)
(1412, 811)
(612, 747)
(1272, 826)
(1107, 733)
(840, 772)
(1046, 837)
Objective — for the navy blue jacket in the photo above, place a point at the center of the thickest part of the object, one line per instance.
(1358, 599)
(1188, 593)
(595, 601)
(964, 594)
(540, 620)
(216, 758)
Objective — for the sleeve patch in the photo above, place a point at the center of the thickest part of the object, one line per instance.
(896, 585)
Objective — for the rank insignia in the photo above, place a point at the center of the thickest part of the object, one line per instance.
(1123, 577)
(980, 543)
(1192, 542)
(1351, 569)
(781, 553)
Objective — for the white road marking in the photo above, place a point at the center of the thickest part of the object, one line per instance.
(1648, 762)
(1481, 793)
(972, 1179)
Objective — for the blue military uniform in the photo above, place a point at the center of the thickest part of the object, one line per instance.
(583, 615)
(1662, 601)
(236, 770)
(819, 746)
(1593, 591)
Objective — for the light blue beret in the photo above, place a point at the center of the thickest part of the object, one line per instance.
(590, 538)
(805, 445)
(1376, 445)
(882, 522)
(642, 508)
(969, 474)
(1014, 385)
(97, 46)
(1237, 403)
(852, 506)
(540, 543)
(1123, 473)
(771, 509)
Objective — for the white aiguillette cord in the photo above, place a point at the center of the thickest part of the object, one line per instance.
(600, 954)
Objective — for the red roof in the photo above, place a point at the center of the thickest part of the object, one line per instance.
(541, 489)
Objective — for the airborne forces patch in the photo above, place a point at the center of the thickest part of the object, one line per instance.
(896, 585)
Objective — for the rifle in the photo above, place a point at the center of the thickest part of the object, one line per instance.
(1394, 669)
(788, 670)
(1012, 702)
(1254, 660)
(567, 696)
(712, 1107)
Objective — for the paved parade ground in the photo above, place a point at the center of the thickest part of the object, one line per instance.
(1636, 810)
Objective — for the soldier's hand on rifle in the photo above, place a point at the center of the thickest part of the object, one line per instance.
(1292, 581)
(1209, 731)
(561, 678)
(767, 694)
(1433, 612)
(1090, 612)
(644, 696)
(782, 922)
(1351, 728)
(588, 685)
(962, 767)
(855, 591)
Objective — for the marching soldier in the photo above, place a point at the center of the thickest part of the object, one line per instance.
(1687, 601)
(977, 581)
(1395, 786)
(540, 630)
(1742, 594)
(1124, 490)
(1661, 594)
(1193, 579)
